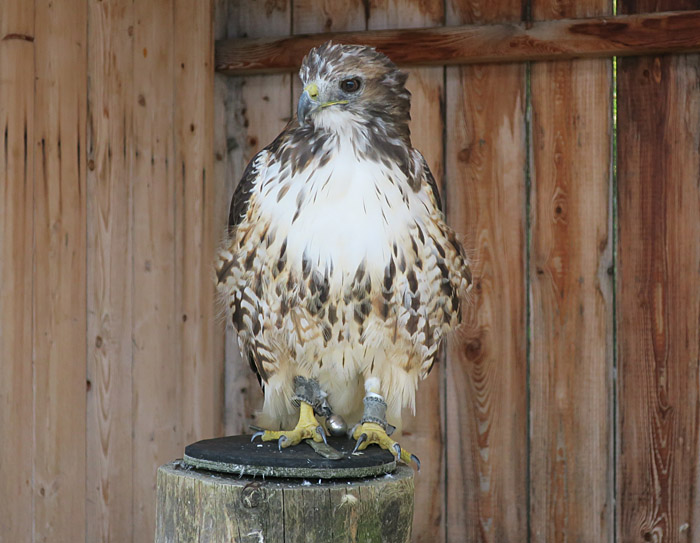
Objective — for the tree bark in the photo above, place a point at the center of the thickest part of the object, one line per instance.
(200, 506)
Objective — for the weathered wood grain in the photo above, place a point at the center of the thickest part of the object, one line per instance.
(202, 400)
(157, 369)
(571, 353)
(258, 108)
(607, 36)
(658, 294)
(311, 16)
(219, 185)
(16, 245)
(109, 271)
(199, 506)
(227, 155)
(486, 372)
(59, 274)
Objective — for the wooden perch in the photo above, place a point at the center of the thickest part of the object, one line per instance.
(622, 35)
(196, 506)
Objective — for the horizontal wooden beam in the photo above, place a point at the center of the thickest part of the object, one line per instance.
(622, 35)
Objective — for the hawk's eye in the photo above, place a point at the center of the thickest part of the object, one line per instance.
(350, 85)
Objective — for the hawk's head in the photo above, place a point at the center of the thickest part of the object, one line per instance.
(353, 83)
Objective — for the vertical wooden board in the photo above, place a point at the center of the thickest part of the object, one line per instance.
(571, 320)
(658, 293)
(60, 270)
(258, 109)
(157, 371)
(486, 391)
(226, 91)
(109, 276)
(202, 390)
(571, 356)
(220, 198)
(16, 243)
(312, 16)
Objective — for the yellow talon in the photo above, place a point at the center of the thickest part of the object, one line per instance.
(370, 433)
(307, 428)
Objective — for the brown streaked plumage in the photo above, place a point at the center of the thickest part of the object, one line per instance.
(339, 265)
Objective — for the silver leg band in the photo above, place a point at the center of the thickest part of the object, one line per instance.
(309, 391)
(375, 410)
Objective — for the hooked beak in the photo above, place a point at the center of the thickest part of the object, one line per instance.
(308, 101)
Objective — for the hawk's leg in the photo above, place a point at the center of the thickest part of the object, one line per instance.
(311, 399)
(373, 426)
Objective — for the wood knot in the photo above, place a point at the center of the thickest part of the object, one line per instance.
(253, 495)
(473, 349)
(465, 154)
(22, 37)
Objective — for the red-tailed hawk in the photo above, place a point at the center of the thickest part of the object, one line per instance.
(339, 271)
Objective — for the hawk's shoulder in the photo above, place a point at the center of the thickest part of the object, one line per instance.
(244, 189)
(251, 177)
(423, 178)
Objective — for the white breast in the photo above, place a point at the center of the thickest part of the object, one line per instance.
(341, 214)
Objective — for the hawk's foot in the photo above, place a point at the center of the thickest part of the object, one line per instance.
(307, 428)
(371, 433)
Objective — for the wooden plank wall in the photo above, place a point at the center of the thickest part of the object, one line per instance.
(486, 200)
(107, 326)
(110, 460)
(571, 363)
(565, 410)
(658, 293)
(16, 262)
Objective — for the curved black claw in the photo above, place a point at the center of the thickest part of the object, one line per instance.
(320, 430)
(351, 431)
(416, 460)
(280, 441)
(397, 448)
(360, 441)
(256, 434)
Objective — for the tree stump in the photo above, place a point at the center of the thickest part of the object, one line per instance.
(201, 506)
(232, 489)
